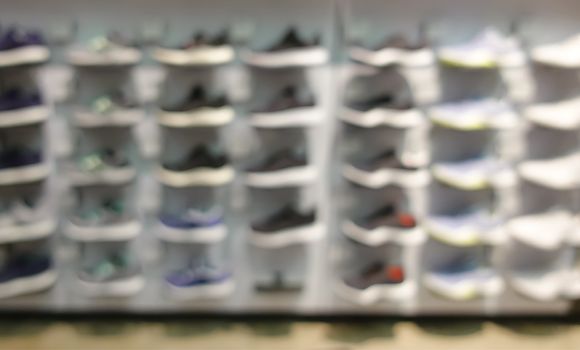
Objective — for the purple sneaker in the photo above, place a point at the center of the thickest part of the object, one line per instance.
(26, 273)
(194, 219)
(200, 281)
(14, 158)
(14, 99)
(19, 47)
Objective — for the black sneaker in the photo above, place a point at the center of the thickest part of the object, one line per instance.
(287, 99)
(292, 41)
(203, 40)
(383, 101)
(285, 218)
(200, 157)
(280, 160)
(196, 99)
(387, 216)
(385, 160)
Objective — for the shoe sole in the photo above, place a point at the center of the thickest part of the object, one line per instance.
(390, 56)
(24, 116)
(373, 294)
(121, 57)
(384, 177)
(383, 116)
(87, 119)
(120, 288)
(197, 177)
(199, 57)
(382, 235)
(280, 178)
(289, 58)
(197, 235)
(27, 285)
(24, 55)
(209, 291)
(107, 176)
(26, 232)
(24, 174)
(118, 232)
(199, 118)
(296, 117)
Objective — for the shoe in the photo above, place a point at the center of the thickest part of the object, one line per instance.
(541, 285)
(19, 158)
(19, 47)
(204, 165)
(282, 168)
(394, 49)
(200, 157)
(105, 166)
(290, 50)
(26, 273)
(197, 109)
(478, 114)
(193, 225)
(466, 228)
(114, 275)
(375, 282)
(565, 53)
(200, 50)
(287, 100)
(25, 219)
(488, 49)
(20, 165)
(109, 50)
(199, 281)
(464, 279)
(284, 227)
(561, 173)
(383, 225)
(475, 173)
(568, 112)
(110, 221)
(384, 169)
(287, 109)
(20, 108)
(113, 109)
(531, 229)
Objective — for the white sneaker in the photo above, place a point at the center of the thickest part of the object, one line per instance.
(559, 115)
(564, 54)
(562, 173)
(544, 231)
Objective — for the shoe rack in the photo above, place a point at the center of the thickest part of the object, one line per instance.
(303, 275)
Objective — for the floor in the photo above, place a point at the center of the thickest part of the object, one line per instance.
(270, 335)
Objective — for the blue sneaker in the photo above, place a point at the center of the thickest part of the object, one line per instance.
(464, 279)
(26, 273)
(465, 228)
(199, 281)
(193, 219)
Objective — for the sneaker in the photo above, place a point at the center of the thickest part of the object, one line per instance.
(14, 99)
(545, 284)
(25, 273)
(197, 99)
(287, 100)
(19, 158)
(199, 281)
(384, 109)
(567, 112)
(464, 279)
(101, 160)
(474, 173)
(285, 167)
(395, 49)
(193, 225)
(286, 218)
(384, 169)
(290, 50)
(20, 165)
(197, 109)
(109, 50)
(565, 53)
(475, 114)
(18, 47)
(104, 166)
(285, 227)
(291, 41)
(466, 228)
(559, 173)
(192, 219)
(201, 157)
(488, 49)
(383, 225)
(202, 49)
(108, 109)
(114, 275)
(531, 229)
(376, 274)
(202, 166)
